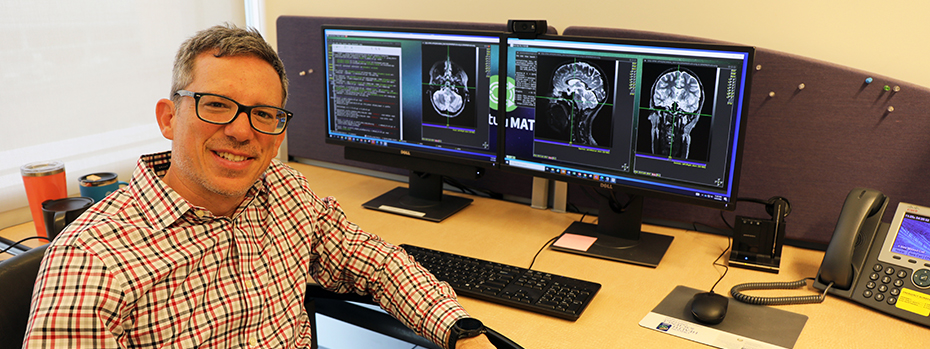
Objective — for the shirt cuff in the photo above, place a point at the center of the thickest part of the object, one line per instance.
(447, 313)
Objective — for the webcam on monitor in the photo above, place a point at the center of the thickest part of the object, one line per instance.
(527, 28)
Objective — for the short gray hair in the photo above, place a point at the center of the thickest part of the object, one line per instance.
(226, 40)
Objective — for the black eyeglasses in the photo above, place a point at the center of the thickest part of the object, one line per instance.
(222, 110)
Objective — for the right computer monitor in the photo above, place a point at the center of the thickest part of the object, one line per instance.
(640, 118)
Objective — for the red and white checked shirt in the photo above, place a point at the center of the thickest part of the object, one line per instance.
(146, 269)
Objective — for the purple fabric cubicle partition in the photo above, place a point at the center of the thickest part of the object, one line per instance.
(810, 145)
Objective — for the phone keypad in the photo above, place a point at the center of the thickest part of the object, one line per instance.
(884, 284)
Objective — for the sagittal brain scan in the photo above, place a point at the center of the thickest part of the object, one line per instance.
(449, 85)
(571, 94)
(677, 123)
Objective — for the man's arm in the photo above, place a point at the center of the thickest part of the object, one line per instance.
(351, 260)
(75, 303)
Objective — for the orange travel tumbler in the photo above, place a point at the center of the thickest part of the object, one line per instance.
(44, 180)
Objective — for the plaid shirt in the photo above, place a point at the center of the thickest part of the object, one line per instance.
(146, 269)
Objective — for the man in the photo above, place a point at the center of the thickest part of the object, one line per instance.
(211, 244)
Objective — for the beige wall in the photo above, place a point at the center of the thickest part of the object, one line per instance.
(883, 38)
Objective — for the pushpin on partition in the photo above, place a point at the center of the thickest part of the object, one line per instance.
(771, 94)
(801, 86)
(868, 80)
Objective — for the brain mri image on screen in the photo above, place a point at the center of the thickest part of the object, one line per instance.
(449, 85)
(570, 97)
(676, 120)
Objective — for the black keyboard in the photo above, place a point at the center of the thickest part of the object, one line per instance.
(544, 293)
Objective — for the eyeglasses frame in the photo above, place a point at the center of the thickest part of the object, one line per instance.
(241, 109)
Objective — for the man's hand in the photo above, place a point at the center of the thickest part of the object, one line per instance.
(478, 342)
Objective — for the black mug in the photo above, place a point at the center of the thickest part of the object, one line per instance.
(58, 213)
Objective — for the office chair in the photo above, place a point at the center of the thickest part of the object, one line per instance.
(338, 306)
(18, 278)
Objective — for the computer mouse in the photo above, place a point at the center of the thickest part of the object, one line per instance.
(709, 308)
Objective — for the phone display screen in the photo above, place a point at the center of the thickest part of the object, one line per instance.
(913, 237)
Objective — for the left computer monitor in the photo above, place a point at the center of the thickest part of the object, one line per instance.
(416, 99)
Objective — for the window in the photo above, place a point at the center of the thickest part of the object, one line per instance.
(80, 79)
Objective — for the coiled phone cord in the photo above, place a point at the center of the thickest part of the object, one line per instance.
(737, 294)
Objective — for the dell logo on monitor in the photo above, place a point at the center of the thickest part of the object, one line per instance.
(607, 186)
(405, 152)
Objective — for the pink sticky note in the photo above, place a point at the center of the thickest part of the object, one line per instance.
(575, 242)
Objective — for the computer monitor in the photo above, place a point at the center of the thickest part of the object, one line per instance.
(416, 99)
(641, 118)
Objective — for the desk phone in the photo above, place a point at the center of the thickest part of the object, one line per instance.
(883, 266)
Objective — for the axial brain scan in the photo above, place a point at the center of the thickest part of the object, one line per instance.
(579, 90)
(448, 90)
(677, 98)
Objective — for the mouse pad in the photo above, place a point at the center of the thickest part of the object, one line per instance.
(745, 326)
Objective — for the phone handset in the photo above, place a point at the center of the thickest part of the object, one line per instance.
(859, 220)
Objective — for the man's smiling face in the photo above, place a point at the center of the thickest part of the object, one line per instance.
(217, 164)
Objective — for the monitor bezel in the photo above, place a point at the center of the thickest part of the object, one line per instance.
(626, 187)
(412, 150)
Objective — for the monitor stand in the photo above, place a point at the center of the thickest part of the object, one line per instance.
(424, 199)
(619, 235)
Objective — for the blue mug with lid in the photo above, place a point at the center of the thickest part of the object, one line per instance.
(99, 185)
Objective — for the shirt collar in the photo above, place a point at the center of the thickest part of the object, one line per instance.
(160, 204)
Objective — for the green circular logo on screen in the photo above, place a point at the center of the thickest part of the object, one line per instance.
(511, 93)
